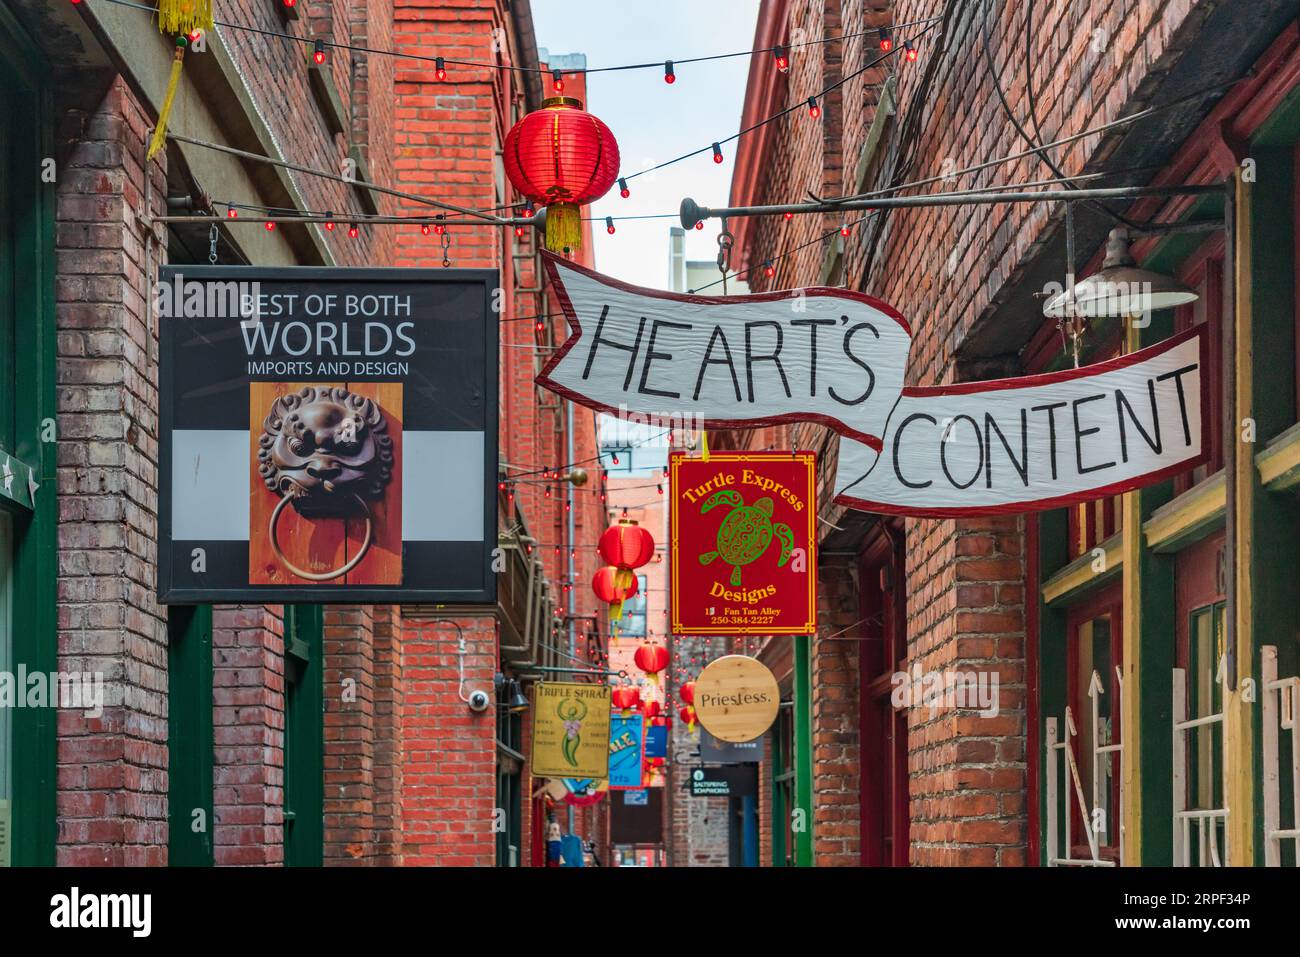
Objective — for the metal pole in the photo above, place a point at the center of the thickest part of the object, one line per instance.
(692, 213)
(341, 218)
(1230, 435)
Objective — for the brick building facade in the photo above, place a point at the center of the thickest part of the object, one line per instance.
(1016, 595)
(258, 734)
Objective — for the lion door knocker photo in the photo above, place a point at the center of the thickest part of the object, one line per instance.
(326, 452)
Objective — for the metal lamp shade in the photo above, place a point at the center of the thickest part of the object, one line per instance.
(1120, 288)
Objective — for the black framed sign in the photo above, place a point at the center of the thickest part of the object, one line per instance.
(327, 435)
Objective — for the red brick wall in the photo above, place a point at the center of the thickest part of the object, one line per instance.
(248, 727)
(944, 268)
(112, 770)
(350, 739)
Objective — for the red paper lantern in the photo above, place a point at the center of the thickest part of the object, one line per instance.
(687, 692)
(687, 714)
(561, 157)
(627, 698)
(607, 588)
(652, 709)
(651, 659)
(627, 546)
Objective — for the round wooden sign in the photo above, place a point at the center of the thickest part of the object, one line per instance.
(736, 698)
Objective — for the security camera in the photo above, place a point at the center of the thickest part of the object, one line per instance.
(479, 700)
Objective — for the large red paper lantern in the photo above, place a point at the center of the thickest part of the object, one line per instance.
(687, 692)
(626, 546)
(627, 698)
(561, 157)
(607, 588)
(651, 659)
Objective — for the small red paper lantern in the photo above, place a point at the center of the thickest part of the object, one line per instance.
(687, 692)
(607, 588)
(561, 157)
(627, 698)
(627, 546)
(652, 709)
(687, 714)
(651, 659)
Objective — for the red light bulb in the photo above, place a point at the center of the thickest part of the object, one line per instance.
(909, 52)
(557, 81)
(844, 230)
(789, 216)
(717, 153)
(813, 109)
(669, 75)
(424, 228)
(519, 232)
(353, 231)
(232, 213)
(622, 188)
(318, 51)
(609, 225)
(439, 68)
(886, 44)
(270, 227)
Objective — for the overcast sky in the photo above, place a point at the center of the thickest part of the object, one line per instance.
(654, 121)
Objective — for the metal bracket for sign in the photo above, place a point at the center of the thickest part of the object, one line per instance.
(529, 669)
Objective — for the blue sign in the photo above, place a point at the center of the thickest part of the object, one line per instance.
(656, 742)
(640, 798)
(625, 751)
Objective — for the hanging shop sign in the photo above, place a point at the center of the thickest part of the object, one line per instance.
(736, 780)
(626, 751)
(839, 358)
(743, 552)
(571, 723)
(716, 751)
(656, 741)
(327, 435)
(736, 698)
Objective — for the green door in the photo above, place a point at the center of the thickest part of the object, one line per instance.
(304, 736)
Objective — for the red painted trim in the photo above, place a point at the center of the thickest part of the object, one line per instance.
(762, 88)
(553, 265)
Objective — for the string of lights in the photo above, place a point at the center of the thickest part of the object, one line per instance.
(320, 45)
(909, 53)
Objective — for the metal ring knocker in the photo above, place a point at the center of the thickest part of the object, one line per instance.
(326, 450)
(320, 576)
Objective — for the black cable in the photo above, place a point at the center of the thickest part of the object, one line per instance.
(481, 64)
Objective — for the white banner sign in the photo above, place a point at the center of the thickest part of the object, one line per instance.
(839, 358)
(821, 355)
(1013, 445)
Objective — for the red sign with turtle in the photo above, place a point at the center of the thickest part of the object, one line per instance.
(743, 551)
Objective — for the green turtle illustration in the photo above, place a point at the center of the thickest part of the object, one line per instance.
(746, 532)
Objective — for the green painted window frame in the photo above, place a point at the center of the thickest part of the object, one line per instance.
(27, 331)
(191, 745)
(304, 735)
(783, 795)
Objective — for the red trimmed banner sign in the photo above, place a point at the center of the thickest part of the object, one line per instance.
(840, 358)
(743, 530)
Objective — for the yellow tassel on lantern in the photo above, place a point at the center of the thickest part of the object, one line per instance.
(160, 131)
(184, 16)
(181, 18)
(563, 227)
(704, 445)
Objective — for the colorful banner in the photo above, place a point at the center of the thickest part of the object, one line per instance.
(840, 358)
(571, 730)
(626, 749)
(743, 533)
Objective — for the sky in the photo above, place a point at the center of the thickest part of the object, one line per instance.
(654, 121)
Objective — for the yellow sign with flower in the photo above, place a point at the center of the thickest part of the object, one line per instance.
(571, 730)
